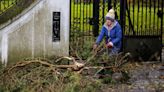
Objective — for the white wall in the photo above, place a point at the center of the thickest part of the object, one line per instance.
(31, 34)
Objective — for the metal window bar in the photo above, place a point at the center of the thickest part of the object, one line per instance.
(158, 20)
(142, 22)
(146, 17)
(133, 12)
(129, 11)
(88, 4)
(109, 4)
(72, 19)
(80, 19)
(70, 24)
(131, 26)
(89, 19)
(0, 7)
(162, 28)
(162, 35)
(85, 24)
(154, 15)
(103, 12)
(150, 29)
(83, 18)
(138, 32)
(90, 13)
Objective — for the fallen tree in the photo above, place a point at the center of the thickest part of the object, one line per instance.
(37, 75)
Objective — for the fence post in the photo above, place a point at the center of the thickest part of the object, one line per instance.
(162, 45)
(122, 14)
(122, 18)
(96, 17)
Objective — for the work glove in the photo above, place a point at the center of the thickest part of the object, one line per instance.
(109, 45)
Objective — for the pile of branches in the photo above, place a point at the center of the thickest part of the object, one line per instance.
(40, 75)
(37, 75)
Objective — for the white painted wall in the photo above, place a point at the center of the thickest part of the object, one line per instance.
(31, 34)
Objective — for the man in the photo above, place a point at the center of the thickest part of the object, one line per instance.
(112, 30)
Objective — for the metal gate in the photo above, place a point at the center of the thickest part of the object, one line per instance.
(141, 22)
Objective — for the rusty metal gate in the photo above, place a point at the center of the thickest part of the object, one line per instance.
(141, 22)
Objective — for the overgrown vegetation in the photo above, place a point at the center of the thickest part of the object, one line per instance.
(36, 77)
(10, 9)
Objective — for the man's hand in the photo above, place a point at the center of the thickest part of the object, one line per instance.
(109, 45)
(95, 46)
